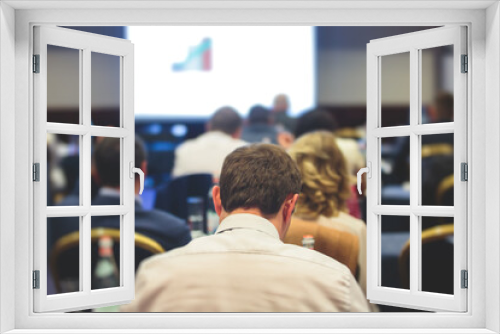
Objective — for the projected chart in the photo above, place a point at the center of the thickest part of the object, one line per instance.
(192, 71)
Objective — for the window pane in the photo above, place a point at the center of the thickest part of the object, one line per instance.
(437, 84)
(395, 94)
(105, 89)
(105, 252)
(437, 254)
(63, 85)
(63, 167)
(63, 255)
(106, 170)
(437, 169)
(395, 251)
(395, 170)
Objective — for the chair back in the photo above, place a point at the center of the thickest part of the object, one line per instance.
(437, 260)
(432, 150)
(173, 197)
(444, 191)
(64, 257)
(342, 246)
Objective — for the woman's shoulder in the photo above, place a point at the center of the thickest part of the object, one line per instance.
(343, 219)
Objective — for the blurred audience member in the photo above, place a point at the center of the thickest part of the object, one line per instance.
(326, 189)
(206, 153)
(320, 119)
(434, 147)
(259, 127)
(169, 231)
(442, 109)
(245, 267)
(281, 104)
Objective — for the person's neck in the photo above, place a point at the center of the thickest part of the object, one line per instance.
(273, 219)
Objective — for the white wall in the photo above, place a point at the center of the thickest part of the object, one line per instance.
(7, 160)
(491, 166)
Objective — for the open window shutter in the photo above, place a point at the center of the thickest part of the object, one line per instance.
(415, 213)
(62, 44)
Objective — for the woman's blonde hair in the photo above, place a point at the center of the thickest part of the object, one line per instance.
(325, 179)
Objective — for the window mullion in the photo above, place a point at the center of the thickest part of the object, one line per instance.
(414, 169)
(85, 241)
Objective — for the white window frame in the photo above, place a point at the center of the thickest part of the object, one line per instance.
(484, 50)
(413, 44)
(86, 44)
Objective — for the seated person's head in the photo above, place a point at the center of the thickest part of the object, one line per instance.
(261, 179)
(324, 173)
(281, 103)
(106, 159)
(442, 108)
(226, 120)
(315, 120)
(259, 115)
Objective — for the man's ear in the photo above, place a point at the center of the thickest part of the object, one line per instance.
(289, 206)
(287, 212)
(217, 200)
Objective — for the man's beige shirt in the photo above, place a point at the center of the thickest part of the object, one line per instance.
(245, 267)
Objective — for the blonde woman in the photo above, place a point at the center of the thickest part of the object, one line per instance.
(326, 188)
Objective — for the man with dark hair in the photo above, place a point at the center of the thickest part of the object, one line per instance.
(206, 153)
(169, 231)
(245, 267)
(259, 127)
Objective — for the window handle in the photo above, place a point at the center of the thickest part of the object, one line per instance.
(367, 170)
(141, 175)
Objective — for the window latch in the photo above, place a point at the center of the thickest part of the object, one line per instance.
(367, 170)
(138, 171)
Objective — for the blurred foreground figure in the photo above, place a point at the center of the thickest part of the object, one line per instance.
(206, 153)
(245, 267)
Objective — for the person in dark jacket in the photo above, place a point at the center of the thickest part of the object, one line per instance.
(169, 231)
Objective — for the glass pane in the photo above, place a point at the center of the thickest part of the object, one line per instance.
(63, 85)
(437, 84)
(105, 89)
(395, 94)
(63, 168)
(437, 254)
(437, 169)
(395, 251)
(105, 255)
(395, 170)
(63, 255)
(106, 163)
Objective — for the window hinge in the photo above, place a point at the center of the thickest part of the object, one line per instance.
(465, 279)
(36, 63)
(464, 171)
(465, 64)
(36, 172)
(36, 279)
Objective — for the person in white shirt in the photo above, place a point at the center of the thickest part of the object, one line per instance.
(245, 267)
(206, 153)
